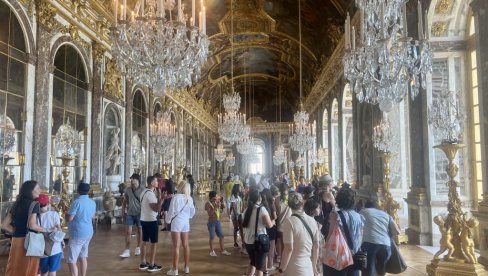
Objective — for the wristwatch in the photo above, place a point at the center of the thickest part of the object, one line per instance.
(280, 270)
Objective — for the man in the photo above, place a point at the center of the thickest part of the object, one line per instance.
(150, 206)
(228, 192)
(301, 184)
(80, 229)
(131, 212)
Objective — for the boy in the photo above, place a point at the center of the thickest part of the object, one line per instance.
(214, 209)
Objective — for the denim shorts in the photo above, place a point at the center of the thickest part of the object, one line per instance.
(214, 227)
(77, 248)
(51, 263)
(132, 220)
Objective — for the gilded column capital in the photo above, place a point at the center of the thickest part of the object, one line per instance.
(98, 51)
(45, 13)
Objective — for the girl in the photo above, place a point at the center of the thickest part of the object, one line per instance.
(236, 211)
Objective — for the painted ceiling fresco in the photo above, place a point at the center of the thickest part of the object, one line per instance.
(260, 38)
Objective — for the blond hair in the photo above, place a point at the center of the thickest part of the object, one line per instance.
(184, 188)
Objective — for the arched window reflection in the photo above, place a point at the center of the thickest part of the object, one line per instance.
(139, 130)
(256, 165)
(349, 155)
(112, 137)
(13, 74)
(335, 143)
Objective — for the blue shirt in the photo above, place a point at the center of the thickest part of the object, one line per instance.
(376, 226)
(83, 209)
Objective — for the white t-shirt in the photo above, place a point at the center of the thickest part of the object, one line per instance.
(49, 220)
(148, 197)
(249, 237)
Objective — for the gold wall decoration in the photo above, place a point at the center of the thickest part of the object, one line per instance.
(444, 7)
(113, 81)
(439, 28)
(98, 51)
(45, 14)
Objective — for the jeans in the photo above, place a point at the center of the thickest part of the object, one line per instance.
(378, 256)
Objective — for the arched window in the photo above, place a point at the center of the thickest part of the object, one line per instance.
(69, 105)
(13, 68)
(112, 137)
(335, 143)
(257, 165)
(139, 133)
(349, 156)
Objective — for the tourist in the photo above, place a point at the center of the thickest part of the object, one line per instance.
(167, 195)
(51, 263)
(308, 192)
(268, 201)
(23, 216)
(376, 239)
(151, 200)
(301, 241)
(301, 184)
(214, 209)
(257, 258)
(283, 212)
(131, 212)
(353, 221)
(228, 186)
(191, 181)
(80, 227)
(236, 209)
(181, 210)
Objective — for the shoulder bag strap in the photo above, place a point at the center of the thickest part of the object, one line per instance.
(256, 227)
(346, 230)
(134, 194)
(142, 197)
(31, 208)
(305, 224)
(186, 203)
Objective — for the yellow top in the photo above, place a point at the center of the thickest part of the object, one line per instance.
(228, 188)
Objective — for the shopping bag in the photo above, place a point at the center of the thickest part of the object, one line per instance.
(336, 253)
(396, 264)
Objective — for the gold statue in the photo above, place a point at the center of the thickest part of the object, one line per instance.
(113, 81)
(445, 242)
(467, 238)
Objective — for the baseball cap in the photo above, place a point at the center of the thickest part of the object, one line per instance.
(43, 199)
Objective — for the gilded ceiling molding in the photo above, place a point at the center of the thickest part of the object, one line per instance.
(444, 7)
(439, 28)
(191, 106)
(113, 80)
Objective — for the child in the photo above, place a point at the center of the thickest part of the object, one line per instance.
(236, 211)
(214, 209)
(49, 265)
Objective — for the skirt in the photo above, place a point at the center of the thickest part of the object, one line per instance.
(18, 263)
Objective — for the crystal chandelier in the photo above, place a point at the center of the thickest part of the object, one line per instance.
(246, 146)
(232, 124)
(230, 160)
(67, 140)
(163, 134)
(250, 158)
(388, 63)
(279, 156)
(445, 118)
(383, 135)
(7, 135)
(322, 156)
(157, 50)
(219, 152)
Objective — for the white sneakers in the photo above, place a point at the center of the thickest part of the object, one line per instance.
(213, 254)
(187, 270)
(126, 253)
(137, 251)
(175, 271)
(226, 253)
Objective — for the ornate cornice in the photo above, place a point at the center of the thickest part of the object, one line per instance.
(98, 51)
(191, 106)
(45, 14)
(268, 128)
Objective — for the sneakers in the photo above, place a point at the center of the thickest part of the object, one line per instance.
(244, 251)
(213, 254)
(144, 266)
(172, 272)
(126, 254)
(137, 251)
(154, 268)
(226, 253)
(187, 270)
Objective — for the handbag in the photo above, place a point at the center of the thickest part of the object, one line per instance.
(50, 239)
(396, 264)
(261, 244)
(34, 242)
(336, 253)
(360, 258)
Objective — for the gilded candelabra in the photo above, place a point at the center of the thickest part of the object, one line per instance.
(456, 229)
(65, 200)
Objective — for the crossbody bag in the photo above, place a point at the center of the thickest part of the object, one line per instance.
(34, 242)
(261, 242)
(306, 226)
(181, 210)
(360, 257)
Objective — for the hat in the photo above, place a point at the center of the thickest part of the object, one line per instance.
(325, 179)
(83, 187)
(43, 199)
(136, 177)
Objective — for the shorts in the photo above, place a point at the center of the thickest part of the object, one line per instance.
(77, 248)
(150, 231)
(256, 258)
(214, 227)
(181, 226)
(132, 220)
(272, 232)
(51, 263)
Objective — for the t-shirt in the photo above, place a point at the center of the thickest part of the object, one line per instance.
(376, 226)
(147, 213)
(133, 199)
(249, 231)
(83, 209)
(20, 217)
(237, 203)
(213, 211)
(49, 220)
(228, 189)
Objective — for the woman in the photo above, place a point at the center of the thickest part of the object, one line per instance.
(235, 212)
(18, 221)
(376, 239)
(301, 241)
(269, 196)
(284, 212)
(257, 258)
(168, 192)
(354, 223)
(180, 211)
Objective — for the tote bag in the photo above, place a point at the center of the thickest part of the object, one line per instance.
(396, 264)
(336, 253)
(34, 242)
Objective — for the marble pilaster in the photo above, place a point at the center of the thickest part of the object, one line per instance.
(128, 129)
(150, 146)
(42, 111)
(480, 12)
(96, 155)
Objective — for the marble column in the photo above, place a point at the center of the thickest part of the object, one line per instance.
(96, 156)
(480, 12)
(150, 146)
(128, 129)
(41, 151)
